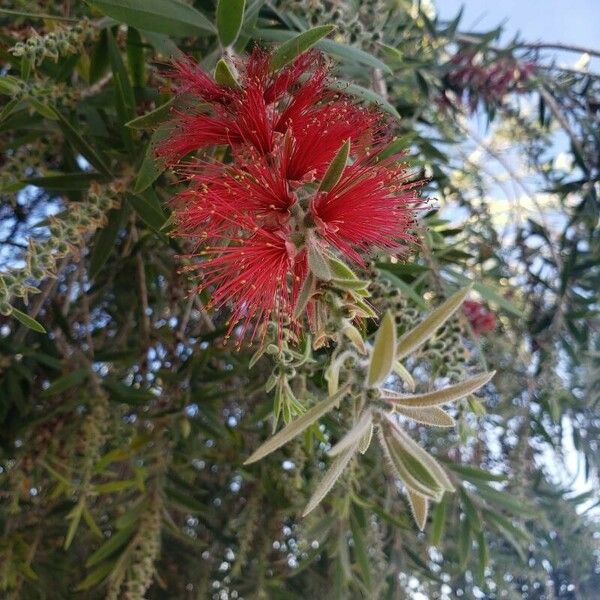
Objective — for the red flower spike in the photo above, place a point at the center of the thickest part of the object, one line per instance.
(370, 207)
(248, 220)
(480, 319)
(252, 274)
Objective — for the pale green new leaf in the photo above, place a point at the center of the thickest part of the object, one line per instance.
(427, 415)
(317, 263)
(333, 474)
(224, 74)
(411, 447)
(419, 506)
(365, 441)
(443, 396)
(404, 374)
(355, 337)
(417, 336)
(335, 169)
(296, 427)
(382, 355)
(355, 435)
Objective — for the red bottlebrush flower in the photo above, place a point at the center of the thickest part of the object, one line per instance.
(475, 81)
(249, 221)
(480, 319)
(252, 274)
(370, 207)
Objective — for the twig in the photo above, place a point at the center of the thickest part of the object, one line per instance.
(560, 46)
(141, 272)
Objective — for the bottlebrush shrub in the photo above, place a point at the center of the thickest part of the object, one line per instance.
(306, 186)
(288, 184)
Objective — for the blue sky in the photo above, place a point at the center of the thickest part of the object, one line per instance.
(568, 21)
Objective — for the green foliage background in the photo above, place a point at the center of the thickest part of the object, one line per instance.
(126, 419)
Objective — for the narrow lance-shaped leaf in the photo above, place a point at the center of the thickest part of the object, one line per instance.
(365, 441)
(354, 436)
(289, 50)
(172, 17)
(405, 375)
(355, 337)
(382, 355)
(28, 321)
(417, 336)
(329, 479)
(427, 415)
(336, 168)
(423, 484)
(429, 463)
(230, 14)
(296, 427)
(419, 506)
(443, 396)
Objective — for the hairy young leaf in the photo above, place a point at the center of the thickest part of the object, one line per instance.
(382, 355)
(296, 427)
(417, 336)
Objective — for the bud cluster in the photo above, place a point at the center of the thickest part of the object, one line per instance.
(55, 44)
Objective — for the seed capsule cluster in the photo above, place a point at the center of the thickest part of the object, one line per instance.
(66, 231)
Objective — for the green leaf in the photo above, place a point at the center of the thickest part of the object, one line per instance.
(289, 50)
(508, 501)
(104, 242)
(464, 542)
(151, 167)
(27, 320)
(111, 487)
(335, 168)
(483, 558)
(162, 16)
(224, 75)
(230, 14)
(77, 181)
(382, 354)
(438, 521)
(81, 145)
(358, 527)
(66, 382)
(124, 97)
(351, 55)
(75, 517)
(147, 205)
(135, 57)
(448, 394)
(492, 296)
(296, 427)
(44, 109)
(96, 576)
(154, 117)
(473, 474)
(417, 336)
(116, 541)
(365, 94)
